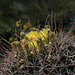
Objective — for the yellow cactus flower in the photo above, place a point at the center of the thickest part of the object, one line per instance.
(21, 59)
(18, 23)
(26, 25)
(11, 39)
(33, 35)
(44, 33)
(22, 33)
(34, 43)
